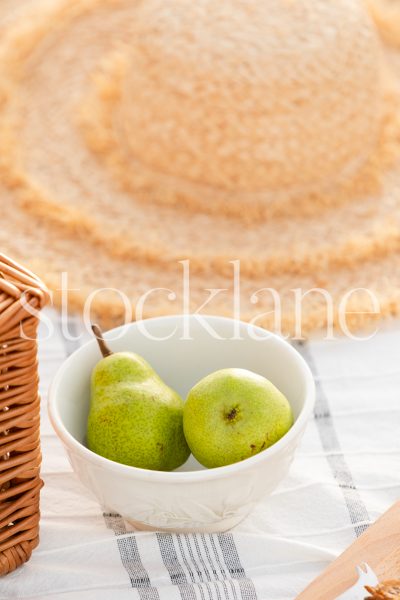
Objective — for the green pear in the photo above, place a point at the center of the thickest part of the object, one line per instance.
(233, 414)
(135, 418)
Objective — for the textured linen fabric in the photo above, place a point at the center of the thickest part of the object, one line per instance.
(345, 474)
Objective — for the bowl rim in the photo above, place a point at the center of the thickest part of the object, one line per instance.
(200, 475)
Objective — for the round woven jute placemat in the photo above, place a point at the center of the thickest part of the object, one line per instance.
(22, 295)
(135, 135)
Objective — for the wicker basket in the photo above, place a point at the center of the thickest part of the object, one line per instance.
(22, 294)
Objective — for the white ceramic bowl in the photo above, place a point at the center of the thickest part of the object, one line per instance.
(192, 498)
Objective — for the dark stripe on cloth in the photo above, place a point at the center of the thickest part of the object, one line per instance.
(211, 576)
(208, 577)
(217, 565)
(331, 445)
(130, 558)
(196, 566)
(236, 571)
(174, 567)
(222, 569)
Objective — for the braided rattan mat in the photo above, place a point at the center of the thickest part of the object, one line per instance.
(270, 136)
(21, 295)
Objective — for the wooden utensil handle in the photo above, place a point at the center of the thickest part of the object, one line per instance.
(379, 546)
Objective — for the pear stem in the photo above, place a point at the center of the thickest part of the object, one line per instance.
(104, 349)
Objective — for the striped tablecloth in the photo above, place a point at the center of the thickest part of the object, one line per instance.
(346, 473)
